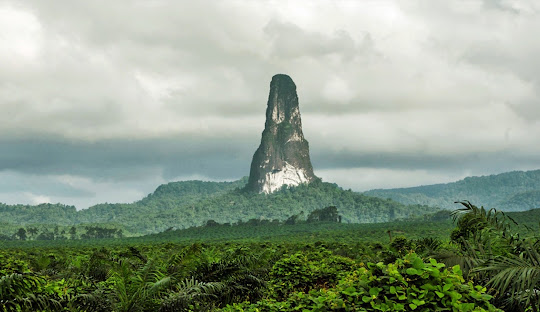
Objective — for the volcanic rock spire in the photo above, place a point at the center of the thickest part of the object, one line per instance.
(283, 156)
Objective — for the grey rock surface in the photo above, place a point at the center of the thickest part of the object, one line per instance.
(283, 155)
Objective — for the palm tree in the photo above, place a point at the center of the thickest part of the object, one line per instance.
(499, 258)
(207, 278)
(516, 278)
(21, 292)
(134, 288)
(190, 293)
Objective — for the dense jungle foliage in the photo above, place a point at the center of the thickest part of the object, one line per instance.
(187, 204)
(192, 203)
(510, 191)
(300, 227)
(295, 229)
(483, 264)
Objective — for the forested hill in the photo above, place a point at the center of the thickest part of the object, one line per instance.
(173, 206)
(57, 214)
(510, 191)
(192, 203)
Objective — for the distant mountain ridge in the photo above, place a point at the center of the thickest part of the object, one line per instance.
(192, 203)
(509, 191)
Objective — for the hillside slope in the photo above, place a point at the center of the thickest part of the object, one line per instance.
(192, 203)
(510, 191)
(39, 214)
(164, 208)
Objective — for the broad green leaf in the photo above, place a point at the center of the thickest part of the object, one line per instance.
(411, 271)
(418, 263)
(374, 291)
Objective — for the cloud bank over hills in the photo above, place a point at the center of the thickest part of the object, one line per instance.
(102, 101)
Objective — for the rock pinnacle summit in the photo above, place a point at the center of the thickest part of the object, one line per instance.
(283, 156)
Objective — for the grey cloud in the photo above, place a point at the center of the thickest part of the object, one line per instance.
(15, 182)
(125, 160)
(493, 39)
(115, 93)
(290, 41)
(478, 162)
(500, 5)
(218, 158)
(529, 109)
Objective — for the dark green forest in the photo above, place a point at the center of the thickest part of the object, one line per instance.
(191, 203)
(180, 205)
(510, 191)
(471, 259)
(211, 246)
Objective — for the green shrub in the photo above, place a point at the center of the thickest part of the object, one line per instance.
(305, 271)
(409, 284)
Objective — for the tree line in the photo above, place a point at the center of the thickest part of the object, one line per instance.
(72, 233)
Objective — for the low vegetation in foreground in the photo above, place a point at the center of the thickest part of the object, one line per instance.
(484, 264)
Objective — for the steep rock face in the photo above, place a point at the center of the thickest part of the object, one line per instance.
(283, 156)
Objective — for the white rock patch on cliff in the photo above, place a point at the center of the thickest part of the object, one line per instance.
(288, 175)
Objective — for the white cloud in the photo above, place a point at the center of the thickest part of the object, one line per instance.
(20, 35)
(37, 199)
(391, 78)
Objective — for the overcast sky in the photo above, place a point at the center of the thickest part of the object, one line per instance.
(102, 101)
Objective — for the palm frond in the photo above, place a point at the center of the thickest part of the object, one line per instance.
(516, 277)
(189, 291)
(96, 301)
(156, 287)
(19, 291)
